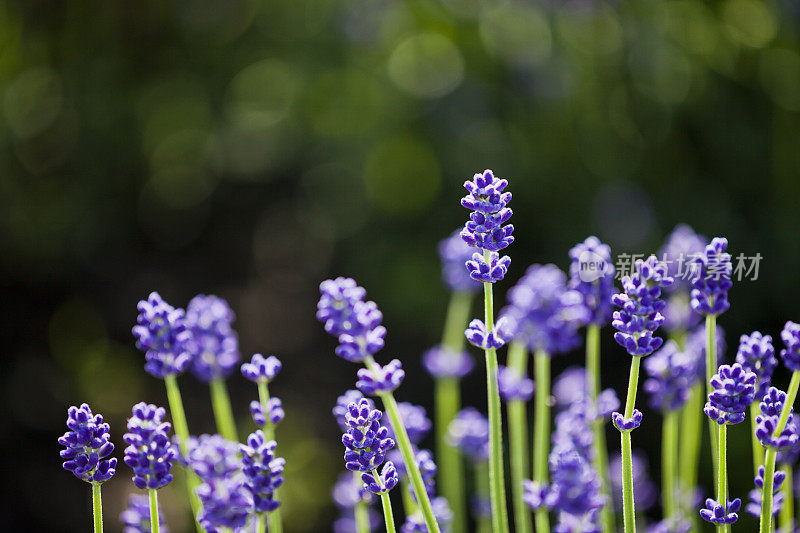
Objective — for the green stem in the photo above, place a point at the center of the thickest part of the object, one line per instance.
(447, 399)
(97, 508)
(765, 525)
(758, 449)
(722, 472)
(669, 458)
(386, 503)
(390, 404)
(541, 433)
(409, 505)
(787, 509)
(628, 509)
(484, 525)
(518, 441)
(497, 485)
(711, 369)
(598, 429)
(153, 511)
(274, 517)
(361, 510)
(182, 431)
(690, 441)
(223, 414)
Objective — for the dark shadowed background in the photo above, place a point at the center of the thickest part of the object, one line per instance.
(252, 148)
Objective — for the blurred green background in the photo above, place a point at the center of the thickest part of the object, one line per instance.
(251, 148)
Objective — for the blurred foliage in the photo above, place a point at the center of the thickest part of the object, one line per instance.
(253, 147)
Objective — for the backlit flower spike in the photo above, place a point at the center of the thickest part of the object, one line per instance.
(671, 374)
(264, 471)
(791, 340)
(716, 513)
(757, 355)
(513, 386)
(87, 445)
(161, 333)
(136, 517)
(488, 202)
(366, 443)
(454, 253)
(469, 432)
(712, 279)
(733, 392)
(261, 369)
(640, 304)
(591, 273)
(150, 452)
(771, 407)
(213, 344)
(380, 379)
(441, 362)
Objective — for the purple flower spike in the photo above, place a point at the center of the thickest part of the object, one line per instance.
(150, 453)
(791, 339)
(213, 343)
(469, 432)
(386, 480)
(478, 336)
(136, 518)
(592, 274)
(718, 514)
(264, 471)
(454, 253)
(513, 386)
(161, 333)
(575, 489)
(626, 424)
(640, 305)
(543, 313)
(489, 272)
(757, 355)
(712, 279)
(671, 375)
(274, 412)
(366, 442)
(381, 380)
(345, 314)
(261, 369)
(343, 402)
(734, 391)
(441, 362)
(86, 446)
(767, 422)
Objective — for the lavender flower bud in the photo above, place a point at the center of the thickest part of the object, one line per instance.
(136, 518)
(86, 446)
(734, 391)
(767, 422)
(213, 343)
(640, 305)
(513, 386)
(258, 414)
(212, 456)
(340, 410)
(264, 471)
(441, 362)
(261, 369)
(495, 269)
(386, 480)
(469, 432)
(366, 441)
(149, 453)
(626, 424)
(713, 279)
(274, 412)
(757, 355)
(380, 380)
(161, 333)
(478, 336)
(671, 376)
(716, 513)
(791, 339)
(454, 253)
(592, 274)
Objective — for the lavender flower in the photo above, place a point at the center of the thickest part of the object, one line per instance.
(513, 386)
(340, 410)
(671, 375)
(441, 362)
(455, 253)
(380, 380)
(274, 412)
(640, 305)
(477, 334)
(213, 343)
(543, 313)
(791, 339)
(261, 369)
(469, 432)
(161, 333)
(86, 446)
(264, 471)
(717, 513)
(627, 424)
(570, 386)
(680, 250)
(149, 453)
(734, 391)
(713, 279)
(136, 518)
(754, 507)
(575, 486)
(757, 355)
(767, 422)
(345, 314)
(366, 443)
(592, 274)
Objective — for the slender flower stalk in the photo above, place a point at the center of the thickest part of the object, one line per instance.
(786, 515)
(97, 508)
(154, 521)
(541, 435)
(469, 433)
(637, 319)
